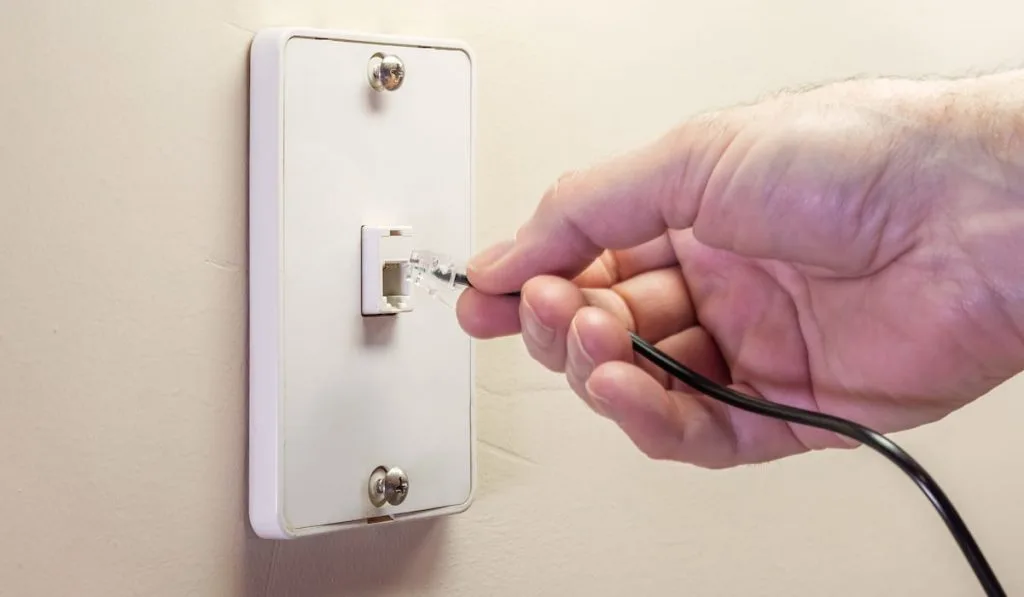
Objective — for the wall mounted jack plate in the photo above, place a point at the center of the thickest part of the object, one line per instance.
(360, 391)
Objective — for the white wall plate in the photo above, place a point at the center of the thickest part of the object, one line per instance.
(335, 394)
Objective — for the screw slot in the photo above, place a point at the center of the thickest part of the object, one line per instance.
(386, 72)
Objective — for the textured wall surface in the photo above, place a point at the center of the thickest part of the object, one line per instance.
(123, 305)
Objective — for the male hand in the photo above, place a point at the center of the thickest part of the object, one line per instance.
(855, 250)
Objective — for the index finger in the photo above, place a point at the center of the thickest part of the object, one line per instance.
(485, 315)
(619, 204)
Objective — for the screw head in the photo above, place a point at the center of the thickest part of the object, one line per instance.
(388, 486)
(386, 72)
(396, 486)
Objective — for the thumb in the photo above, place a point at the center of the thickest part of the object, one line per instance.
(619, 204)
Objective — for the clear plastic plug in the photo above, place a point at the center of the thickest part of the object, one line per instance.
(442, 277)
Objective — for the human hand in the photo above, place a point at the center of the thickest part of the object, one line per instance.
(853, 250)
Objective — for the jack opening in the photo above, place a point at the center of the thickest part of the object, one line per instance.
(395, 286)
(386, 288)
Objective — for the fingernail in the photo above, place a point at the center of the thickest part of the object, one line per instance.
(490, 255)
(539, 334)
(580, 361)
(602, 405)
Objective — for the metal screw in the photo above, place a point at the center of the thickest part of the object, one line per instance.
(386, 72)
(388, 486)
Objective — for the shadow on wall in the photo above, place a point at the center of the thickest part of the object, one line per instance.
(360, 561)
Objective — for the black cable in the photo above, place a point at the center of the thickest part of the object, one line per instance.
(872, 439)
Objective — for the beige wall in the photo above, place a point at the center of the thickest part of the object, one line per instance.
(122, 315)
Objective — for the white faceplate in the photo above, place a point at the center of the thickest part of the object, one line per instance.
(333, 393)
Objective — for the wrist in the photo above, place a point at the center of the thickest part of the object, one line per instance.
(981, 147)
(985, 115)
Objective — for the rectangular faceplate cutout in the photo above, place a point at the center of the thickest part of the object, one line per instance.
(354, 378)
(386, 287)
